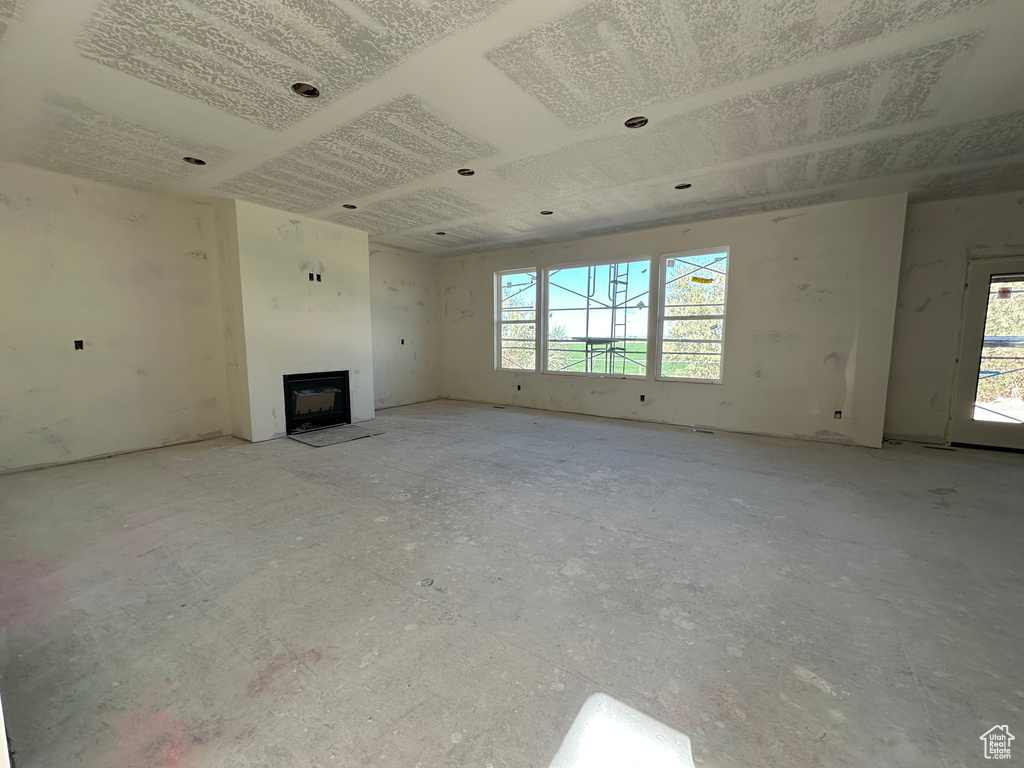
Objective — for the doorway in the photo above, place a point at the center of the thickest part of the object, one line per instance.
(988, 404)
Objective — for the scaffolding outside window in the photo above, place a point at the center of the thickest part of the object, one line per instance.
(516, 294)
(597, 318)
(691, 324)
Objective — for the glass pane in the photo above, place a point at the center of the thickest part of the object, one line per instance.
(597, 318)
(517, 341)
(695, 285)
(519, 346)
(692, 349)
(686, 366)
(1000, 392)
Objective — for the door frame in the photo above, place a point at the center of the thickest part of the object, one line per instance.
(963, 427)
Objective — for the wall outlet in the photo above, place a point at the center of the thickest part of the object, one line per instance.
(837, 415)
(519, 387)
(79, 344)
(318, 276)
(643, 398)
(403, 341)
(311, 277)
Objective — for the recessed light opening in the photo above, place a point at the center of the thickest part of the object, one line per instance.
(636, 122)
(546, 213)
(194, 161)
(349, 206)
(306, 90)
(441, 233)
(683, 186)
(466, 172)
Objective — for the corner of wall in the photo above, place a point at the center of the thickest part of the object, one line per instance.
(236, 371)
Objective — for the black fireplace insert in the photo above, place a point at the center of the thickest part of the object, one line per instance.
(316, 400)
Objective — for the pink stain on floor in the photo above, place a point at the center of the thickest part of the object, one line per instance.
(26, 588)
(152, 739)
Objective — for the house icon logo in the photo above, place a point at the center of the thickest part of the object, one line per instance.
(997, 742)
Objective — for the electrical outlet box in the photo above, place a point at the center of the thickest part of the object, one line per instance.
(79, 344)
(838, 415)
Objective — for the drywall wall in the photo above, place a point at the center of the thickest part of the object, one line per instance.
(940, 239)
(134, 277)
(236, 370)
(812, 295)
(405, 305)
(293, 325)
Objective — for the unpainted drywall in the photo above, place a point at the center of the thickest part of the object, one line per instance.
(236, 370)
(941, 237)
(405, 306)
(134, 276)
(293, 325)
(812, 295)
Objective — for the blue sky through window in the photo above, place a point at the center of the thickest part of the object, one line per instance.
(568, 305)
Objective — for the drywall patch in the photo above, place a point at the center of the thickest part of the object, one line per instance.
(70, 137)
(611, 55)
(390, 145)
(409, 211)
(882, 93)
(242, 57)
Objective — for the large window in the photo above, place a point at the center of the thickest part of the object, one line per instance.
(516, 299)
(692, 317)
(597, 318)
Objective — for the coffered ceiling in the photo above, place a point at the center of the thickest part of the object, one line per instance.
(758, 104)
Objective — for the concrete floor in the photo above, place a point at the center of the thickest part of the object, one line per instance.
(783, 603)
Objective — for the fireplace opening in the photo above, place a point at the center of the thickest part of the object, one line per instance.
(316, 400)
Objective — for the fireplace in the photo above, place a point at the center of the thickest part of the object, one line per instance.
(316, 400)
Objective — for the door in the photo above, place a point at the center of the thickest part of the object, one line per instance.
(988, 406)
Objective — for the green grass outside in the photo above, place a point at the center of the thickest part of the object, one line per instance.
(570, 356)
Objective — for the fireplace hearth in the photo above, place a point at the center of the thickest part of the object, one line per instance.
(316, 400)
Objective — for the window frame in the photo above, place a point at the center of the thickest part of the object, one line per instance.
(499, 323)
(544, 273)
(662, 318)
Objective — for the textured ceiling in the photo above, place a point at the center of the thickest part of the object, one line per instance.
(761, 105)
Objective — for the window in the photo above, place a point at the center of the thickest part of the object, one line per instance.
(596, 318)
(692, 318)
(516, 297)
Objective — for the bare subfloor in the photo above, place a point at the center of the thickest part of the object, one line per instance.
(449, 593)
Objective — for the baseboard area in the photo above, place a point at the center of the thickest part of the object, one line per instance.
(97, 457)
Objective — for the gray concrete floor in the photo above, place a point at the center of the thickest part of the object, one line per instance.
(783, 603)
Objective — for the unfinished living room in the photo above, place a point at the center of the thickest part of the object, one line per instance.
(511, 383)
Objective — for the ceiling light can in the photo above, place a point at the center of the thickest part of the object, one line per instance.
(466, 171)
(546, 213)
(194, 161)
(636, 122)
(306, 90)
(683, 186)
(349, 206)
